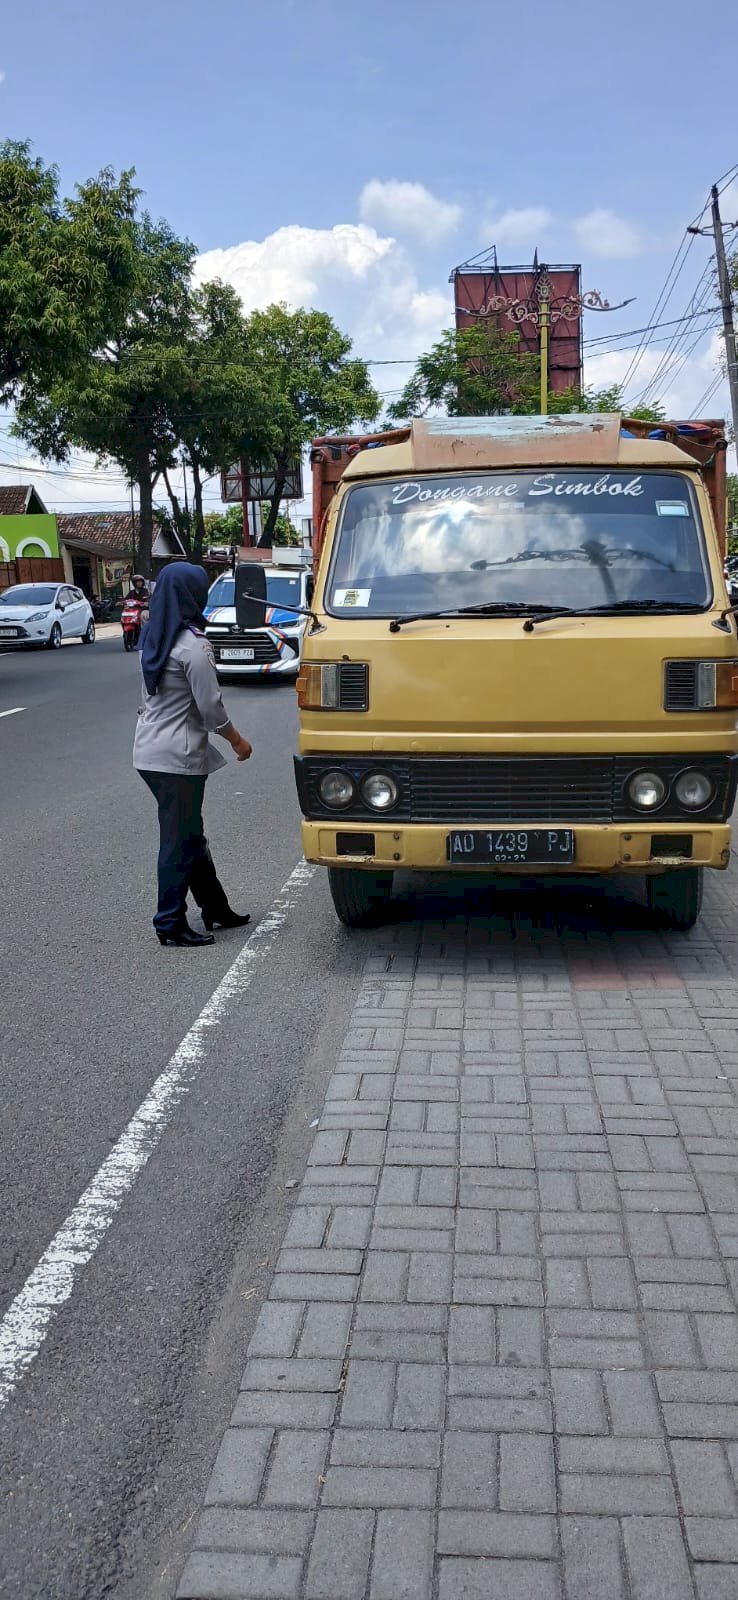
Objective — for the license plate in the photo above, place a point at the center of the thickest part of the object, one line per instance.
(236, 655)
(541, 846)
(8, 633)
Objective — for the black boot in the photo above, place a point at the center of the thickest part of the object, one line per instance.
(185, 935)
(224, 919)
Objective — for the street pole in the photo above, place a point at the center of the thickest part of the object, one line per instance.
(544, 323)
(726, 306)
(183, 459)
(134, 541)
(245, 503)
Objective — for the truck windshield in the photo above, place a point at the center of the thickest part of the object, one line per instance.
(573, 539)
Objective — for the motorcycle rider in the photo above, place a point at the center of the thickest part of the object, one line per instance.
(139, 590)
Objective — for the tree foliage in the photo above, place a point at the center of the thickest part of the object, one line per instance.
(481, 371)
(121, 404)
(733, 503)
(226, 527)
(472, 372)
(222, 410)
(67, 268)
(313, 386)
(609, 398)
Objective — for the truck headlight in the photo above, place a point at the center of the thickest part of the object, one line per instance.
(380, 791)
(336, 789)
(693, 789)
(647, 791)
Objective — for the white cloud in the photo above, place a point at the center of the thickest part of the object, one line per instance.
(524, 226)
(408, 208)
(602, 233)
(680, 387)
(365, 280)
(2, 77)
(295, 264)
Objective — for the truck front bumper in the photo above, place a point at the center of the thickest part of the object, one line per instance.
(598, 848)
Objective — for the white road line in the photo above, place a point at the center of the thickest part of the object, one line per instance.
(27, 1321)
(13, 712)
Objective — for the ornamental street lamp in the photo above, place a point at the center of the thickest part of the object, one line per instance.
(543, 309)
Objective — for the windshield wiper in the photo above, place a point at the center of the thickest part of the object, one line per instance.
(492, 608)
(630, 607)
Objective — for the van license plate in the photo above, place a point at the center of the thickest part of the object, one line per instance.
(540, 846)
(236, 655)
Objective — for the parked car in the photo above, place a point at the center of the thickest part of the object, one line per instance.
(44, 614)
(274, 650)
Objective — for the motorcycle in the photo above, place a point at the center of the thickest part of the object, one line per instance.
(134, 615)
(102, 610)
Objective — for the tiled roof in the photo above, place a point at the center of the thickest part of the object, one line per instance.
(104, 532)
(17, 498)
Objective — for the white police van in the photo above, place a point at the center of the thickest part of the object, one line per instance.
(273, 650)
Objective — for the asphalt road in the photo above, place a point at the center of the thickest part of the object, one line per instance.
(106, 1445)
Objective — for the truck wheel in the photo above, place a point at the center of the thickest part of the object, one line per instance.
(675, 898)
(360, 898)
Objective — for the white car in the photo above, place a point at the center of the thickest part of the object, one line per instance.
(44, 614)
(273, 650)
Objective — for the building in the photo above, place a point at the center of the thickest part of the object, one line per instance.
(96, 550)
(20, 500)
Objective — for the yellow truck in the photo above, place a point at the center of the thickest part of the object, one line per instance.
(522, 657)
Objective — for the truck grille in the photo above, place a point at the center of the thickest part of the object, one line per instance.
(563, 789)
(680, 686)
(353, 686)
(496, 791)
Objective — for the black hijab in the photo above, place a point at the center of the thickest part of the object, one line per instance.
(178, 600)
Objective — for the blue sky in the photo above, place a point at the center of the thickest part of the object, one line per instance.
(280, 137)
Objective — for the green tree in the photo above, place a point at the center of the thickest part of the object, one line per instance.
(67, 268)
(480, 371)
(226, 527)
(313, 386)
(472, 372)
(732, 488)
(609, 398)
(221, 411)
(121, 404)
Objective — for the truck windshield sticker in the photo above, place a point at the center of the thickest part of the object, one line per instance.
(672, 508)
(351, 597)
(547, 483)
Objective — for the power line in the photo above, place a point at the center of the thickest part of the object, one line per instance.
(675, 271)
(678, 340)
(707, 396)
(630, 333)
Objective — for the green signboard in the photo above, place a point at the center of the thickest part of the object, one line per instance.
(28, 536)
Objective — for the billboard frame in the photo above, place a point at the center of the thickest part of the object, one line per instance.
(500, 300)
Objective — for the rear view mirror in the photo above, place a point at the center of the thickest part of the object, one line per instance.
(251, 593)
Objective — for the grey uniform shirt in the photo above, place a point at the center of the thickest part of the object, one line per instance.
(173, 724)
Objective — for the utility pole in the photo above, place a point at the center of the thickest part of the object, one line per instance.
(183, 459)
(726, 306)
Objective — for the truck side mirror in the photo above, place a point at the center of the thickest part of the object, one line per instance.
(251, 593)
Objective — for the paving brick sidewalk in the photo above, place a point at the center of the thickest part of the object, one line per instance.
(499, 1357)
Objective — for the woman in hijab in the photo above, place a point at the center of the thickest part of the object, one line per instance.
(172, 751)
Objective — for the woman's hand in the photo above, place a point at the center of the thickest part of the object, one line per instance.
(241, 747)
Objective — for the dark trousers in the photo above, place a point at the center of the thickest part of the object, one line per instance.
(184, 861)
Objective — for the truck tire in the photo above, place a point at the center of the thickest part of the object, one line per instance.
(360, 898)
(675, 898)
